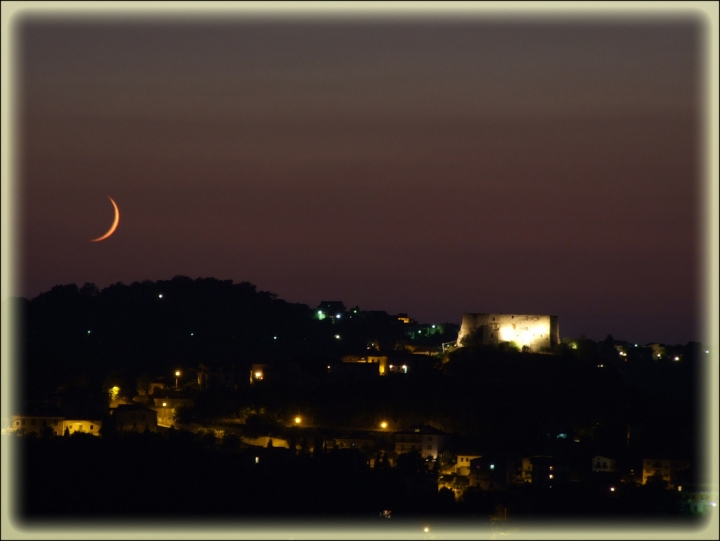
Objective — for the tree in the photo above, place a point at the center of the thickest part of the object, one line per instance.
(304, 446)
(231, 442)
(410, 463)
(446, 500)
(88, 290)
(142, 384)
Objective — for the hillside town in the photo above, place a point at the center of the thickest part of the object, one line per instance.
(496, 415)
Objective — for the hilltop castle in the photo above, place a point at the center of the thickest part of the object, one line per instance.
(534, 332)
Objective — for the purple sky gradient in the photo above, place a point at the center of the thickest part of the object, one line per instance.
(427, 167)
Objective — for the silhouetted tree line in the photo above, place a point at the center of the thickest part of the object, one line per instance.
(70, 334)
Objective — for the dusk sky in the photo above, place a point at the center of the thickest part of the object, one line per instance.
(428, 167)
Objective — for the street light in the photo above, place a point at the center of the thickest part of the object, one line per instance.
(177, 375)
(383, 425)
(297, 420)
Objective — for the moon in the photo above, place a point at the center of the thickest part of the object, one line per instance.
(114, 225)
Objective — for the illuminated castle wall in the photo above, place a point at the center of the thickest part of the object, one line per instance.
(535, 332)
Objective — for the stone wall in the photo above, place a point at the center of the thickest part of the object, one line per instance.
(537, 332)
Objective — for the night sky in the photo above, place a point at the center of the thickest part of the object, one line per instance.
(429, 167)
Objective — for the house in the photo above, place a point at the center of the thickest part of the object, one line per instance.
(134, 417)
(32, 423)
(224, 376)
(258, 372)
(82, 425)
(404, 318)
(668, 470)
(265, 441)
(58, 424)
(462, 464)
(356, 440)
(166, 409)
(375, 364)
(491, 473)
(427, 440)
(603, 464)
(543, 470)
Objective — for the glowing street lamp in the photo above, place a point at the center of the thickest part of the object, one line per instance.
(383, 425)
(297, 420)
(177, 375)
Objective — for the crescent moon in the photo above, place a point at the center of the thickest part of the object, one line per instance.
(114, 225)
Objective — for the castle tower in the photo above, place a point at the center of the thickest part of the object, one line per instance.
(536, 332)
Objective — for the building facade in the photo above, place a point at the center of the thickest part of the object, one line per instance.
(462, 464)
(668, 470)
(534, 332)
(225, 376)
(490, 473)
(427, 440)
(135, 417)
(34, 423)
(603, 464)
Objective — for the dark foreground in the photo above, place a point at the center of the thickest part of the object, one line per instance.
(177, 475)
